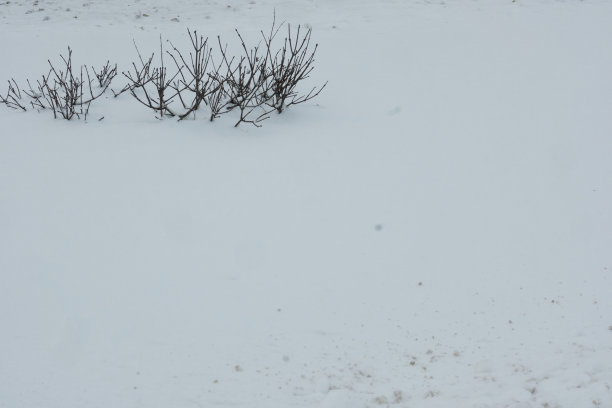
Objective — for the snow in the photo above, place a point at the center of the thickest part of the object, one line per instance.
(433, 230)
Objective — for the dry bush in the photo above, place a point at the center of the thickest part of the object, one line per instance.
(257, 82)
(64, 90)
(260, 80)
(289, 66)
(13, 98)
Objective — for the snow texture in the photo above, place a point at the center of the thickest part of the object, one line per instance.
(433, 230)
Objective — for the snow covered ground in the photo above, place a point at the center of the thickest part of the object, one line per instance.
(434, 230)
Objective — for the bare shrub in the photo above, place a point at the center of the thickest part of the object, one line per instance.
(194, 77)
(106, 74)
(13, 98)
(217, 100)
(255, 83)
(151, 86)
(68, 93)
(246, 82)
(289, 66)
(195, 81)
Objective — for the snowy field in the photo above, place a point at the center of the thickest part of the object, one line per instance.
(434, 230)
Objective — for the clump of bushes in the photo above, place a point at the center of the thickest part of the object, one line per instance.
(260, 80)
